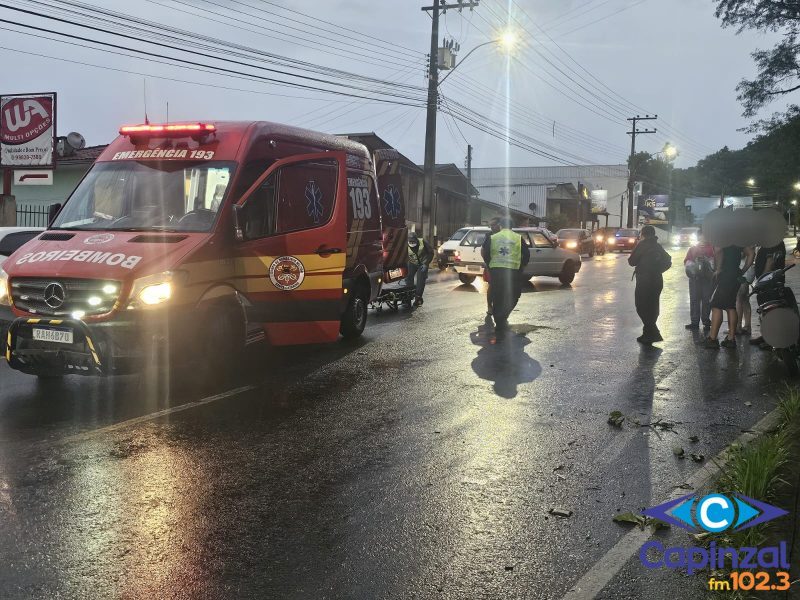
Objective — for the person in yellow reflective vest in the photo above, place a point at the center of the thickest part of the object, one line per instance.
(506, 255)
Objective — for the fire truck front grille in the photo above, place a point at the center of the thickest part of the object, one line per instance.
(64, 297)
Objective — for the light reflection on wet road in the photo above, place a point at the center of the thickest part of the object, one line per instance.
(421, 461)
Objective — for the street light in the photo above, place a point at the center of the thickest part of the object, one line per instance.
(797, 185)
(751, 182)
(507, 41)
(670, 151)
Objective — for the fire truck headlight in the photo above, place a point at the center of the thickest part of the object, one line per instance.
(156, 294)
(5, 298)
(154, 290)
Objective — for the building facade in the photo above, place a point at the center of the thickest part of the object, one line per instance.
(540, 192)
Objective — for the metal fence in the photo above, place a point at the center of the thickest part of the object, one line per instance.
(32, 215)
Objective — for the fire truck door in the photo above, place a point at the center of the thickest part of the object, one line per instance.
(290, 262)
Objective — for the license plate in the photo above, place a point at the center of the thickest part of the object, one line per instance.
(59, 336)
(477, 268)
(395, 273)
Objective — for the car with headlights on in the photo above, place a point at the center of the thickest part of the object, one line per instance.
(686, 236)
(623, 240)
(576, 240)
(446, 251)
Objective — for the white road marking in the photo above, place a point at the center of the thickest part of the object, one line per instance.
(603, 571)
(79, 437)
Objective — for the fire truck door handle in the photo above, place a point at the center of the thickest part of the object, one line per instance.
(323, 250)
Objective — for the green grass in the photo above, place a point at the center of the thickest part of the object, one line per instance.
(755, 471)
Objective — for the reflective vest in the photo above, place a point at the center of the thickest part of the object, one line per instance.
(418, 257)
(506, 250)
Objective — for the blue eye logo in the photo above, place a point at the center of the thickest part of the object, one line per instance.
(715, 512)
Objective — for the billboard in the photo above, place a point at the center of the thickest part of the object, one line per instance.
(28, 130)
(653, 209)
(599, 201)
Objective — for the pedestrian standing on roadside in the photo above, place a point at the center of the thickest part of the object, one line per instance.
(494, 227)
(506, 256)
(744, 311)
(650, 261)
(420, 256)
(727, 279)
(768, 259)
(699, 264)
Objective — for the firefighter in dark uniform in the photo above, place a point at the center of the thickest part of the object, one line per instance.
(420, 256)
(650, 260)
(506, 255)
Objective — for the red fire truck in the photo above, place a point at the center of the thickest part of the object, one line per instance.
(193, 240)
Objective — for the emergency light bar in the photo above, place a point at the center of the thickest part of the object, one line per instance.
(167, 130)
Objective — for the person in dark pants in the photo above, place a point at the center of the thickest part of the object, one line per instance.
(699, 263)
(506, 255)
(494, 227)
(768, 259)
(420, 256)
(650, 261)
(728, 278)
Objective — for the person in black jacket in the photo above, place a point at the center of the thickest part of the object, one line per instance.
(650, 261)
(420, 256)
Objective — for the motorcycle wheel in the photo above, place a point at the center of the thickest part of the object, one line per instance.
(789, 358)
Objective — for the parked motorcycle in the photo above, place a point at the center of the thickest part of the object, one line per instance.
(780, 318)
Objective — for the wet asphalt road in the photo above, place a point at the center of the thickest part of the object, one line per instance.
(419, 462)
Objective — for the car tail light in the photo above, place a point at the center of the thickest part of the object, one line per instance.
(177, 130)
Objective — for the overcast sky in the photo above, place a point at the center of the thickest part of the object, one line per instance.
(582, 67)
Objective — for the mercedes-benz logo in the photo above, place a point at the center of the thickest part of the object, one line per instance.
(54, 295)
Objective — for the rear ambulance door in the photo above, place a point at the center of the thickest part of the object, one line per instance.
(290, 263)
(393, 214)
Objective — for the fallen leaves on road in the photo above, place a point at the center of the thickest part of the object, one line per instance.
(616, 418)
(697, 457)
(640, 521)
(678, 451)
(560, 512)
(694, 439)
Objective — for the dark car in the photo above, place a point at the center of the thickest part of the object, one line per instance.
(624, 239)
(576, 240)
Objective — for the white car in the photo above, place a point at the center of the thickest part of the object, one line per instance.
(449, 247)
(12, 238)
(547, 259)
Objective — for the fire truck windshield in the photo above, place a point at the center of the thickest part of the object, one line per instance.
(148, 195)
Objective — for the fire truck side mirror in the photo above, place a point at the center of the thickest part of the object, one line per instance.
(238, 232)
(52, 212)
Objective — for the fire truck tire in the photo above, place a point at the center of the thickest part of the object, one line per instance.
(354, 318)
(466, 279)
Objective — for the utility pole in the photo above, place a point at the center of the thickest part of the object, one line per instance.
(633, 133)
(474, 210)
(429, 180)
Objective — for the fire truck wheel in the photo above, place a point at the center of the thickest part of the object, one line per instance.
(354, 318)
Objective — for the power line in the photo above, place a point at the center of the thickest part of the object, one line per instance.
(193, 52)
(219, 70)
